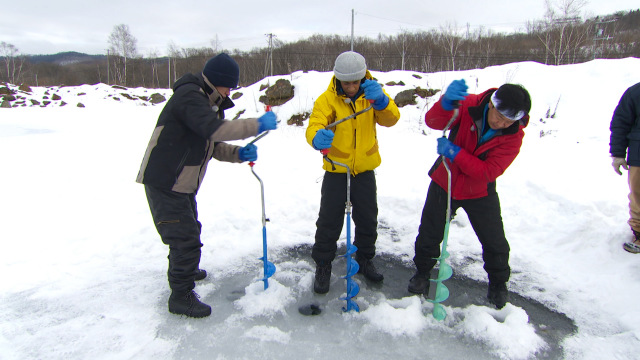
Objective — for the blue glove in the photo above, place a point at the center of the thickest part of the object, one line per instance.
(248, 153)
(323, 139)
(373, 91)
(447, 148)
(267, 122)
(456, 91)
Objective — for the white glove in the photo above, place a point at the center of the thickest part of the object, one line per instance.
(617, 162)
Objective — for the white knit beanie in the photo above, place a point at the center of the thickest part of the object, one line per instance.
(350, 66)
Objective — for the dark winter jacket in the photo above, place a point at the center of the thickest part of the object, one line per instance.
(188, 134)
(625, 127)
(476, 167)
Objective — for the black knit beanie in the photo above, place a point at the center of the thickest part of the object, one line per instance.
(222, 70)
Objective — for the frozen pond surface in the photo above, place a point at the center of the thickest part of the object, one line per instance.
(238, 330)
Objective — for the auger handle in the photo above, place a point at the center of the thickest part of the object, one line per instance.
(325, 152)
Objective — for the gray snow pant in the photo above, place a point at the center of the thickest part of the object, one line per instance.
(175, 216)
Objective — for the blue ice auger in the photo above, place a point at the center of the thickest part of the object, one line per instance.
(352, 265)
(444, 271)
(268, 267)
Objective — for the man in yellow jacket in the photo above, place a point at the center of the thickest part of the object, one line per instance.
(354, 143)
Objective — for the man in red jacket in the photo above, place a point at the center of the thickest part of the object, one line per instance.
(484, 140)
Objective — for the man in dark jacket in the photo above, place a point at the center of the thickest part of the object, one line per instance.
(484, 140)
(625, 134)
(190, 131)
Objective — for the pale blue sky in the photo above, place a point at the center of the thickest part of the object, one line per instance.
(73, 25)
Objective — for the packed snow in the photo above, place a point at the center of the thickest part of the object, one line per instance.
(84, 270)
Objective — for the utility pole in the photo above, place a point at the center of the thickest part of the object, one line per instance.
(600, 33)
(107, 66)
(352, 21)
(269, 62)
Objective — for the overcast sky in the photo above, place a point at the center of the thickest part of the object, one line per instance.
(45, 27)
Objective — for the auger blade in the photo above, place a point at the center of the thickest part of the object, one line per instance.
(351, 249)
(270, 268)
(352, 267)
(351, 305)
(352, 288)
(443, 256)
(439, 313)
(442, 292)
(445, 272)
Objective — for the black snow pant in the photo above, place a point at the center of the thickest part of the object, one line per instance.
(486, 220)
(332, 214)
(176, 218)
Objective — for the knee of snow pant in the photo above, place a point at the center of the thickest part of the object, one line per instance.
(486, 219)
(180, 232)
(365, 213)
(175, 216)
(330, 217)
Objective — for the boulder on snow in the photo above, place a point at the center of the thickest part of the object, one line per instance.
(408, 97)
(157, 98)
(278, 94)
(6, 91)
(238, 114)
(25, 88)
(7, 97)
(298, 119)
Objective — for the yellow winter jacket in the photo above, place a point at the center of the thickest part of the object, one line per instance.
(355, 142)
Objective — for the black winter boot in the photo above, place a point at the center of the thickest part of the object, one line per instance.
(498, 294)
(188, 304)
(200, 274)
(369, 270)
(419, 283)
(323, 278)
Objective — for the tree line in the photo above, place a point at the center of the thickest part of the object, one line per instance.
(561, 37)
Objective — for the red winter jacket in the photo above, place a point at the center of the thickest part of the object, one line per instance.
(476, 167)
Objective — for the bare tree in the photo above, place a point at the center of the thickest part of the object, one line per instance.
(560, 32)
(174, 53)
(124, 45)
(153, 56)
(450, 41)
(13, 62)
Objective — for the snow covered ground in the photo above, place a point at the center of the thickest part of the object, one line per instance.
(84, 271)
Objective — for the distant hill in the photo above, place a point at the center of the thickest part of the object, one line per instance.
(65, 58)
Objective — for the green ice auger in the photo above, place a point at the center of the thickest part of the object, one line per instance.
(444, 271)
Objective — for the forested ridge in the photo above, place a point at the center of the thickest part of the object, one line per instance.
(556, 40)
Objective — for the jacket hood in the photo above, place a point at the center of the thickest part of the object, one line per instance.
(196, 79)
(188, 79)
